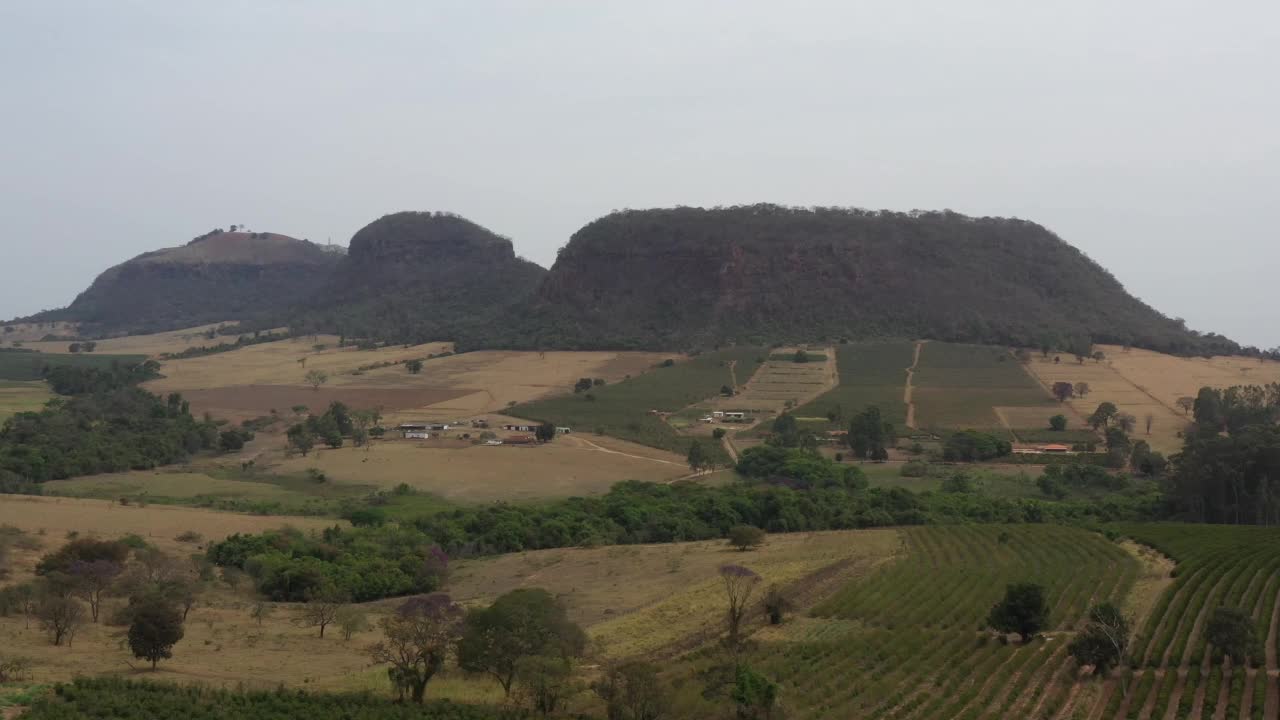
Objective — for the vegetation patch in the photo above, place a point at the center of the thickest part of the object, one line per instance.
(630, 409)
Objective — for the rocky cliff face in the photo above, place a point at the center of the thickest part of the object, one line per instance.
(420, 276)
(215, 277)
(690, 277)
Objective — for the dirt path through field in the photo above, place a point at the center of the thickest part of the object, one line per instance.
(1175, 697)
(908, 389)
(577, 440)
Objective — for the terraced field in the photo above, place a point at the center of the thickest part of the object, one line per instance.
(1177, 674)
(907, 642)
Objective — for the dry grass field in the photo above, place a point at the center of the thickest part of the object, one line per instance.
(1108, 385)
(630, 599)
(1168, 378)
(460, 472)
(16, 397)
(250, 381)
(282, 363)
(633, 595)
(32, 332)
(53, 518)
(154, 344)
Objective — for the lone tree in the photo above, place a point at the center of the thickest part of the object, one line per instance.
(1023, 611)
(546, 432)
(1126, 422)
(322, 608)
(1104, 642)
(1186, 403)
(416, 641)
(697, 457)
(776, 604)
(1102, 416)
(413, 366)
(1058, 423)
(801, 357)
(746, 537)
(316, 378)
(739, 584)
(1063, 391)
(1082, 389)
(1232, 631)
(155, 628)
(522, 623)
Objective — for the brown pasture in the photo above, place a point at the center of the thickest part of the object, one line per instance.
(244, 401)
(462, 472)
(1168, 378)
(1108, 385)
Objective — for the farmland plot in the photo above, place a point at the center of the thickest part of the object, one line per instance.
(968, 386)
(623, 409)
(905, 642)
(871, 373)
(1231, 566)
(1107, 385)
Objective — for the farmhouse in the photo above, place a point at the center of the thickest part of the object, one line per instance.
(520, 428)
(735, 415)
(520, 440)
(1055, 449)
(414, 431)
(564, 430)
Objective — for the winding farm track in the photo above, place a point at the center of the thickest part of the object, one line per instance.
(1272, 708)
(908, 390)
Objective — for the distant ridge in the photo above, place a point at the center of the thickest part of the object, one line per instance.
(216, 276)
(417, 276)
(688, 278)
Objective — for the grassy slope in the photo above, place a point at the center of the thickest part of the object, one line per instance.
(956, 386)
(622, 409)
(870, 374)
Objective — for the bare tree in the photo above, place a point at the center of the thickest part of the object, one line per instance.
(1186, 403)
(739, 584)
(1126, 422)
(60, 616)
(316, 378)
(260, 611)
(416, 641)
(1148, 420)
(322, 609)
(1082, 389)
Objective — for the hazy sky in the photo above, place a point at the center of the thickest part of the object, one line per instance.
(1146, 133)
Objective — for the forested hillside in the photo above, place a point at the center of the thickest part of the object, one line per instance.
(217, 276)
(692, 277)
(418, 276)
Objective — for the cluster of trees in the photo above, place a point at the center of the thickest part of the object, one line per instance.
(72, 584)
(1229, 467)
(332, 426)
(113, 430)
(870, 435)
(360, 564)
(84, 380)
(974, 446)
(241, 341)
(84, 346)
(1057, 481)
